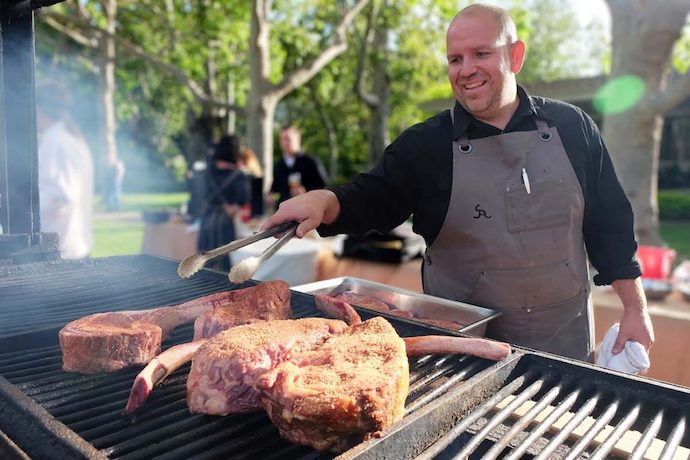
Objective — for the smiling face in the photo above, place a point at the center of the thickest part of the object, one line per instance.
(483, 58)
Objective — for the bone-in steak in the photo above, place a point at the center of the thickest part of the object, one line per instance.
(349, 389)
(265, 301)
(107, 342)
(225, 368)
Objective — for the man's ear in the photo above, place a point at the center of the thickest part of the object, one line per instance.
(517, 56)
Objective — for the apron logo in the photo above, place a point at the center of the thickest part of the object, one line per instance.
(481, 213)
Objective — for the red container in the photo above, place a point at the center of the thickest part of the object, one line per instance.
(656, 262)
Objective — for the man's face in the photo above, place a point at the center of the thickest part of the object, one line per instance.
(289, 142)
(482, 66)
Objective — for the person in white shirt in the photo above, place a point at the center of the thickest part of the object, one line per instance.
(65, 178)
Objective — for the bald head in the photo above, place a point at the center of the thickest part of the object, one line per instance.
(501, 16)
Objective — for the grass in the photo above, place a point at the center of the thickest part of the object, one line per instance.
(123, 234)
(677, 235)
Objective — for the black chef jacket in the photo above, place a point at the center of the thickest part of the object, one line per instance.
(414, 177)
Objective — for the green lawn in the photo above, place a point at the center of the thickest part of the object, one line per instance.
(677, 235)
(122, 233)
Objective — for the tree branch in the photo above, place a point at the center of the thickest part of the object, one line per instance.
(304, 73)
(75, 35)
(135, 50)
(369, 99)
(677, 91)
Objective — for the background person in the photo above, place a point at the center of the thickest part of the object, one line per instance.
(65, 174)
(296, 172)
(511, 194)
(114, 174)
(227, 192)
(249, 164)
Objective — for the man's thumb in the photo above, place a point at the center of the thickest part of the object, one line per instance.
(619, 345)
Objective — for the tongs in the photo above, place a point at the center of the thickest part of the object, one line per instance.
(192, 264)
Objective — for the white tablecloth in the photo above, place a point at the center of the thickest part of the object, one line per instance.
(296, 262)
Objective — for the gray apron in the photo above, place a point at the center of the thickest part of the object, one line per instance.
(517, 252)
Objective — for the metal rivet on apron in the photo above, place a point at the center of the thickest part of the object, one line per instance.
(465, 148)
(529, 310)
(545, 137)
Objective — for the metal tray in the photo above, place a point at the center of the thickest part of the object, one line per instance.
(473, 318)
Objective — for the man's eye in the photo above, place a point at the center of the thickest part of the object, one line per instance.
(453, 60)
(483, 53)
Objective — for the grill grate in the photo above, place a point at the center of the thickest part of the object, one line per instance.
(539, 407)
(92, 406)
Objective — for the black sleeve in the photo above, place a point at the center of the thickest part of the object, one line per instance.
(608, 227)
(314, 175)
(277, 179)
(380, 199)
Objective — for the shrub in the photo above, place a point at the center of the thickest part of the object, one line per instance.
(674, 205)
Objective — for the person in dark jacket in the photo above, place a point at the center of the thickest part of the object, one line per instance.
(513, 194)
(227, 193)
(296, 172)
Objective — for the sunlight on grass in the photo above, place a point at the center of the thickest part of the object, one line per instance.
(122, 233)
(677, 236)
(117, 238)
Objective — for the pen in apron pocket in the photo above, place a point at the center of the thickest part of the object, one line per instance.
(525, 180)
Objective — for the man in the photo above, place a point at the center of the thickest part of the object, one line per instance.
(508, 190)
(297, 172)
(65, 175)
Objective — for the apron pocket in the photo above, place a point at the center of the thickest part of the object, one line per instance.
(548, 205)
(525, 287)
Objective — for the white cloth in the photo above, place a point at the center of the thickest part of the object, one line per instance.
(631, 360)
(65, 184)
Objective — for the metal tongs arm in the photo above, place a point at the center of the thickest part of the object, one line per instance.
(237, 244)
(194, 263)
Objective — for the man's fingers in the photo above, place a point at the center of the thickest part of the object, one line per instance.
(619, 344)
(306, 226)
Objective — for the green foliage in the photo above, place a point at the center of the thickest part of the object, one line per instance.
(681, 51)
(674, 205)
(162, 127)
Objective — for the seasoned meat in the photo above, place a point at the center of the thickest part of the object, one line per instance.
(225, 368)
(349, 389)
(265, 301)
(107, 342)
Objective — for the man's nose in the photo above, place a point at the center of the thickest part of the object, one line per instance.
(468, 68)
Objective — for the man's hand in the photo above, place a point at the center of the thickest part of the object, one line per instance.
(310, 210)
(635, 324)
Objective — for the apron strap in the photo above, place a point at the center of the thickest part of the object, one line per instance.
(543, 128)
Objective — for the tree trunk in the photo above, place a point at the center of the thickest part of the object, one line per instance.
(108, 79)
(378, 131)
(633, 136)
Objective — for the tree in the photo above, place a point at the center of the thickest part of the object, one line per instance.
(643, 37)
(264, 95)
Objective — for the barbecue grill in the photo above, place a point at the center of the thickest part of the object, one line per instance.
(530, 405)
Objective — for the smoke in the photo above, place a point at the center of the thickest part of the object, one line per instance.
(78, 90)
